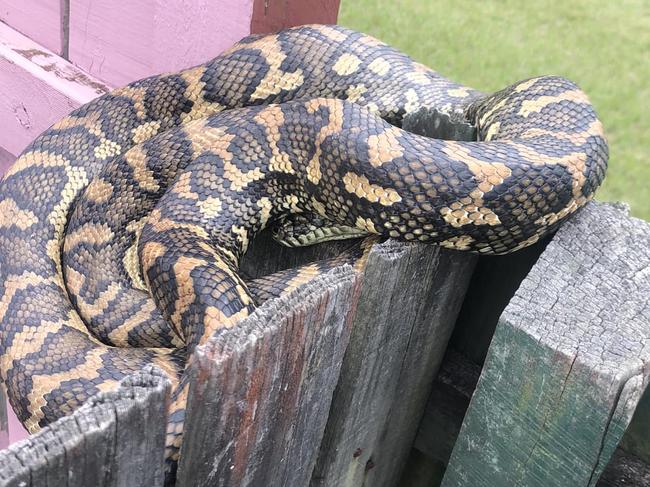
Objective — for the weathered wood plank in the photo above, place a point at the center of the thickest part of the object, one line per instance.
(38, 89)
(137, 39)
(115, 439)
(260, 392)
(568, 363)
(409, 301)
(41, 20)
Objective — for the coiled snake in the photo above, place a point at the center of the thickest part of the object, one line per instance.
(121, 226)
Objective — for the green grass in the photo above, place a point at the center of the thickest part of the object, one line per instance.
(603, 46)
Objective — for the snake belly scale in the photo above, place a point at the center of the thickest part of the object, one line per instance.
(122, 226)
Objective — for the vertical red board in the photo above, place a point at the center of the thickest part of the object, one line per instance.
(274, 15)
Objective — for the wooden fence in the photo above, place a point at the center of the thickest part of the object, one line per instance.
(346, 362)
(559, 399)
(334, 384)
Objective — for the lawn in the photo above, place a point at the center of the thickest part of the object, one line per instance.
(603, 46)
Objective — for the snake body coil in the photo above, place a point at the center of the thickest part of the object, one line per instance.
(129, 216)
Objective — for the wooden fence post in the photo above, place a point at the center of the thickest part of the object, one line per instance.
(568, 363)
(409, 301)
(115, 439)
(260, 392)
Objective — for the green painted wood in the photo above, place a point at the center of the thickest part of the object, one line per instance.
(568, 363)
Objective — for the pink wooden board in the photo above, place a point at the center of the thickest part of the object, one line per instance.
(16, 430)
(37, 88)
(41, 20)
(138, 39)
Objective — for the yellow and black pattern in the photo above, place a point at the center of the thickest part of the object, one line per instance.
(122, 226)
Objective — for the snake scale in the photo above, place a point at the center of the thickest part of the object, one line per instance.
(122, 226)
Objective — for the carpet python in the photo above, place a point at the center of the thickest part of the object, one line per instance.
(122, 225)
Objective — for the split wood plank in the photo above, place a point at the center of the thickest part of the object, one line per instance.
(116, 439)
(569, 361)
(409, 301)
(260, 392)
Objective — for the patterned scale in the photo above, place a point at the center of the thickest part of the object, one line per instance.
(122, 226)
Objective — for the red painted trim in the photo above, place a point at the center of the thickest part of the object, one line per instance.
(274, 15)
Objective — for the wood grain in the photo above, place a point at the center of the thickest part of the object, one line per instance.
(260, 392)
(409, 302)
(115, 439)
(568, 363)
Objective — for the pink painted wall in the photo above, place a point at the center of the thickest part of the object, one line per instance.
(38, 19)
(6, 160)
(138, 39)
(37, 88)
(16, 430)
